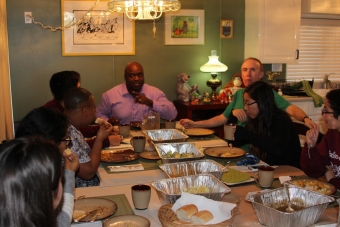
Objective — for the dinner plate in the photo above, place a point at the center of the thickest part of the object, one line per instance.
(107, 207)
(224, 152)
(314, 185)
(198, 132)
(127, 221)
(149, 155)
(115, 156)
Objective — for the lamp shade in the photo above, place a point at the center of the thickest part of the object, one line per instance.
(213, 65)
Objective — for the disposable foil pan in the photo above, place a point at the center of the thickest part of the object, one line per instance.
(180, 169)
(266, 204)
(165, 135)
(182, 148)
(169, 190)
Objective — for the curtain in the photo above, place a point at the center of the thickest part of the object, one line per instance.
(6, 116)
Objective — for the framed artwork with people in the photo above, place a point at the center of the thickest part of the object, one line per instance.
(95, 32)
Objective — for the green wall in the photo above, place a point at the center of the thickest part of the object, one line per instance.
(35, 53)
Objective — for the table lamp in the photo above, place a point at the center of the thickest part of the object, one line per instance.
(213, 66)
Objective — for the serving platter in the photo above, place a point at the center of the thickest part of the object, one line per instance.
(107, 207)
(117, 156)
(152, 155)
(314, 185)
(224, 152)
(198, 132)
(127, 220)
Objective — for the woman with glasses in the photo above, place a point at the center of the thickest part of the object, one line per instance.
(53, 125)
(269, 130)
(323, 159)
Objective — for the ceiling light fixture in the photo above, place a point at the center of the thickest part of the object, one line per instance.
(143, 9)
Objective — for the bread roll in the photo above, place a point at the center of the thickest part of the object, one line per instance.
(184, 213)
(202, 217)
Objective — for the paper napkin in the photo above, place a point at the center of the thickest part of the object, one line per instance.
(125, 168)
(220, 210)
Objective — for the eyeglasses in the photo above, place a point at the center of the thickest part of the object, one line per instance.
(324, 111)
(68, 142)
(249, 104)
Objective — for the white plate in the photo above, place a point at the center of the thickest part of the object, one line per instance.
(89, 204)
(242, 182)
(127, 221)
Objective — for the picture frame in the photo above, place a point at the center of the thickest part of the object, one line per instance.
(99, 33)
(184, 27)
(226, 29)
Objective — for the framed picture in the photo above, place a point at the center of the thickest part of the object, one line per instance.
(99, 32)
(184, 27)
(226, 29)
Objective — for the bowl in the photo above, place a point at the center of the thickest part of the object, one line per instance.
(181, 169)
(178, 152)
(267, 206)
(170, 189)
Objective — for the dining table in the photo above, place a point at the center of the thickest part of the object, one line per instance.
(120, 184)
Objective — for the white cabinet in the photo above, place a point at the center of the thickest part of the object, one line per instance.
(272, 30)
(307, 105)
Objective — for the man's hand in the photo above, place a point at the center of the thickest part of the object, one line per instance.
(142, 99)
(310, 124)
(240, 114)
(186, 123)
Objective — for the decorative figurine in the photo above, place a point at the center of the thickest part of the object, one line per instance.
(183, 89)
(206, 98)
(225, 95)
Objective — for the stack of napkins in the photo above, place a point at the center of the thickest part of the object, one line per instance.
(125, 168)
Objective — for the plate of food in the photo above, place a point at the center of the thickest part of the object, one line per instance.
(233, 177)
(224, 152)
(127, 220)
(198, 132)
(152, 155)
(321, 187)
(103, 208)
(116, 156)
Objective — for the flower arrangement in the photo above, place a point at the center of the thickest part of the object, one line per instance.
(271, 75)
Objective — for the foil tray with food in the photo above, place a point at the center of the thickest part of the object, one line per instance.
(178, 152)
(165, 135)
(180, 169)
(289, 206)
(169, 190)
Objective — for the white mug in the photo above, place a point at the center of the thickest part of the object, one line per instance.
(141, 196)
(124, 130)
(265, 176)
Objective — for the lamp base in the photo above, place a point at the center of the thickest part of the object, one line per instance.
(214, 84)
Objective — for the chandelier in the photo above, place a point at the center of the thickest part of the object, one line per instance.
(143, 9)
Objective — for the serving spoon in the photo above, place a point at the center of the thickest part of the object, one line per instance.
(289, 208)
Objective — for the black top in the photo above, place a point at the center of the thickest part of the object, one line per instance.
(282, 148)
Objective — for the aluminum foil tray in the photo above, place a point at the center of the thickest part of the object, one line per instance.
(266, 204)
(181, 169)
(169, 190)
(165, 135)
(182, 148)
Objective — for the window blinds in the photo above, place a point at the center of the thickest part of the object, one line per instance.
(319, 51)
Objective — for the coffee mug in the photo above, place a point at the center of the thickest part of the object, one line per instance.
(124, 130)
(170, 124)
(265, 176)
(138, 143)
(229, 131)
(141, 196)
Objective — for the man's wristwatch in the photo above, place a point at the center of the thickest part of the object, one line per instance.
(303, 119)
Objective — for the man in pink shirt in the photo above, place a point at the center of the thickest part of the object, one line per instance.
(128, 102)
